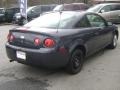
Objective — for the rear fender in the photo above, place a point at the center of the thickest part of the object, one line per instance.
(77, 44)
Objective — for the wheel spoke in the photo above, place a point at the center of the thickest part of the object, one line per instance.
(76, 61)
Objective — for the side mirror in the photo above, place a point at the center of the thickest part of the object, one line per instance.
(102, 11)
(110, 23)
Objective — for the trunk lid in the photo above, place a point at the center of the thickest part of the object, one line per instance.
(24, 37)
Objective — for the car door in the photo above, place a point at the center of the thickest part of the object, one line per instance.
(90, 36)
(106, 12)
(115, 13)
(103, 32)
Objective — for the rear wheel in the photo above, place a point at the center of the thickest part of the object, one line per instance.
(76, 62)
(24, 21)
(114, 42)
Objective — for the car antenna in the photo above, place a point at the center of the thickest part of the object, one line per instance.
(60, 11)
(59, 21)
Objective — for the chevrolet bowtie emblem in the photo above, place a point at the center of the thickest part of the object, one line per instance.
(22, 37)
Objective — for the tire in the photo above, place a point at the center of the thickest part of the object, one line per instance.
(9, 21)
(76, 62)
(114, 42)
(20, 23)
(24, 21)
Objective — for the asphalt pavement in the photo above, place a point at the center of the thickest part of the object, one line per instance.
(100, 72)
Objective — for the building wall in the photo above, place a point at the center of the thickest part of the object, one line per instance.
(12, 3)
(34, 2)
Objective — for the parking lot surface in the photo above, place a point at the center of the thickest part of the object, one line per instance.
(100, 72)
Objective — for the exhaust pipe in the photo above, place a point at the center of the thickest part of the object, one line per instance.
(11, 60)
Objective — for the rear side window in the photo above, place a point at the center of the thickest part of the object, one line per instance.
(80, 7)
(106, 8)
(83, 23)
(36, 9)
(96, 21)
(68, 7)
(45, 9)
(76, 7)
(115, 7)
(83, 7)
(17, 10)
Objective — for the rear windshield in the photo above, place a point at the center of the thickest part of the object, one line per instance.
(58, 8)
(39, 9)
(75, 7)
(53, 20)
(95, 8)
(71, 7)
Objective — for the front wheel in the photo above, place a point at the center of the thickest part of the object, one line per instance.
(76, 62)
(114, 42)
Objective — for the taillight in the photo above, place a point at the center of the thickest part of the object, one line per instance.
(37, 41)
(49, 43)
(10, 37)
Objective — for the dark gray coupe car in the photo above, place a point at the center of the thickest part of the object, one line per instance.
(61, 39)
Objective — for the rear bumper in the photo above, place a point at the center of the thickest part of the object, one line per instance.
(48, 58)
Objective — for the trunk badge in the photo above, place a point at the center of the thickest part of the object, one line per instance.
(22, 37)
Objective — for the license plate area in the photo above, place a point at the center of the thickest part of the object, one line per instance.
(21, 55)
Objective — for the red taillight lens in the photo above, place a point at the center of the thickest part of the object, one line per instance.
(10, 37)
(49, 43)
(37, 41)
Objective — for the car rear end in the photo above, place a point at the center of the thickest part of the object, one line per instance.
(16, 18)
(71, 7)
(47, 8)
(2, 15)
(10, 12)
(35, 48)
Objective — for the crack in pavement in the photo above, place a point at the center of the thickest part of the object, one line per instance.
(25, 84)
(8, 75)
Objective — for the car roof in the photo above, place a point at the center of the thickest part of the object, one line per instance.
(76, 13)
(72, 3)
(71, 7)
(44, 5)
(109, 4)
